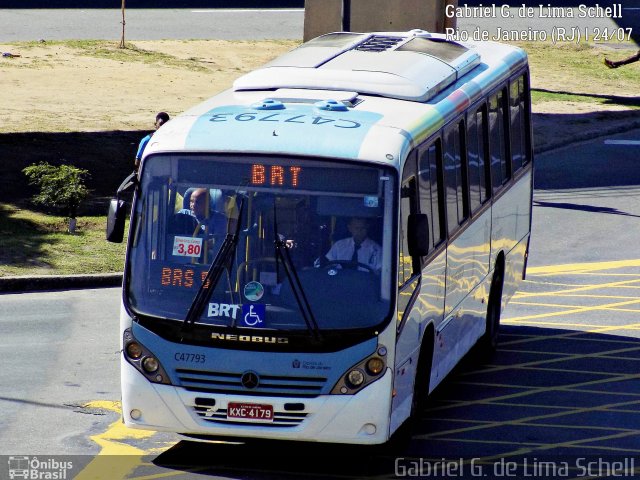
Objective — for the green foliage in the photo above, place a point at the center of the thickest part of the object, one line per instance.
(61, 188)
(34, 243)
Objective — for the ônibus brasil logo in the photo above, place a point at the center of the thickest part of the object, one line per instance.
(34, 468)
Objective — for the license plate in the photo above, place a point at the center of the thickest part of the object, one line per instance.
(251, 412)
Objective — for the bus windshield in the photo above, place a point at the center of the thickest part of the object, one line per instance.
(310, 239)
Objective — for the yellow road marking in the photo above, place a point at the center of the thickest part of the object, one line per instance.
(600, 274)
(518, 296)
(564, 305)
(577, 356)
(583, 288)
(575, 335)
(116, 459)
(580, 332)
(169, 474)
(540, 445)
(521, 421)
(603, 392)
(534, 352)
(535, 390)
(574, 311)
(571, 444)
(582, 267)
(563, 354)
(614, 303)
(560, 370)
(525, 405)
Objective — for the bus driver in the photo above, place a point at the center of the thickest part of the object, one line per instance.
(358, 248)
(207, 207)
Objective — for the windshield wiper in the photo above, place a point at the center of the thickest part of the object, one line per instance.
(220, 263)
(282, 252)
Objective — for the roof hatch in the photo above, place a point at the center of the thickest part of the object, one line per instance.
(415, 65)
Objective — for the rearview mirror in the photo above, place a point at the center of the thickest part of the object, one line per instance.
(115, 220)
(418, 234)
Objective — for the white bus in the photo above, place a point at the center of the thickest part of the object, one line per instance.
(312, 251)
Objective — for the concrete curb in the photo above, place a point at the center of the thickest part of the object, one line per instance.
(588, 135)
(58, 282)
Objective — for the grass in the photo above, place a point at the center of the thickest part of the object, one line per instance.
(34, 243)
(576, 73)
(542, 96)
(111, 51)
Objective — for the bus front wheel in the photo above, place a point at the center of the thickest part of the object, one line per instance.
(399, 441)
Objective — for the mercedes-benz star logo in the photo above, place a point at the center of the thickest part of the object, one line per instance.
(250, 380)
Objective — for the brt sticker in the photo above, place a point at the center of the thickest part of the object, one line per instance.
(371, 202)
(253, 315)
(187, 247)
(253, 291)
(218, 310)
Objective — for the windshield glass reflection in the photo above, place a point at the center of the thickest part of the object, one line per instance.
(313, 247)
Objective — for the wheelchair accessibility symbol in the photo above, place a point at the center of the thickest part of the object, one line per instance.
(253, 315)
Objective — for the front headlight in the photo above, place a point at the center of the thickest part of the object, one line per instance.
(150, 364)
(362, 374)
(143, 359)
(134, 350)
(375, 366)
(355, 378)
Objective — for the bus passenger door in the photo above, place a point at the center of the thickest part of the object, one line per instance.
(420, 287)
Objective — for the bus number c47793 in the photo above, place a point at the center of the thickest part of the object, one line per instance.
(190, 357)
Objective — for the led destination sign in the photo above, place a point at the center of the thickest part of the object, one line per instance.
(275, 175)
(279, 175)
(177, 276)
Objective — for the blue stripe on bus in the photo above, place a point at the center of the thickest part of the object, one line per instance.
(215, 358)
(296, 129)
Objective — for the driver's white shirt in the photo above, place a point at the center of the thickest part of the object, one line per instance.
(370, 252)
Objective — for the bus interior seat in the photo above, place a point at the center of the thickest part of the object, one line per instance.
(186, 198)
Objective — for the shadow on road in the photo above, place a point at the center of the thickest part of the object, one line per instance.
(108, 156)
(546, 394)
(608, 99)
(582, 208)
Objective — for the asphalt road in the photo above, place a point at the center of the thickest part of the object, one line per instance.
(144, 24)
(257, 24)
(59, 351)
(564, 381)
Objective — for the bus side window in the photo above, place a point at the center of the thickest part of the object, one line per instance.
(500, 165)
(455, 176)
(407, 265)
(431, 190)
(477, 153)
(519, 135)
(525, 105)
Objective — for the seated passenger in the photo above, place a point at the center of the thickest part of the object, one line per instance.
(208, 211)
(358, 248)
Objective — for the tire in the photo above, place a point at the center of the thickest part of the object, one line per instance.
(401, 438)
(423, 376)
(489, 341)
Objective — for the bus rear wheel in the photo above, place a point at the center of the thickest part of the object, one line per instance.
(489, 341)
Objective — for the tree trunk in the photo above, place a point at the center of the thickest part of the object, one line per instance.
(123, 23)
(72, 225)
